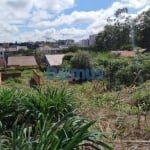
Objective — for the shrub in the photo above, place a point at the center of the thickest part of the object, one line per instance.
(142, 99)
(126, 71)
(81, 61)
(68, 56)
(26, 105)
(127, 47)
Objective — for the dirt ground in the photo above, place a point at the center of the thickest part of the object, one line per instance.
(122, 129)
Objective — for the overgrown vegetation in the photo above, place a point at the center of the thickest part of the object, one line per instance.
(81, 60)
(44, 119)
(120, 72)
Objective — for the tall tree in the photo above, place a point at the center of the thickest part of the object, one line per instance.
(116, 33)
(142, 23)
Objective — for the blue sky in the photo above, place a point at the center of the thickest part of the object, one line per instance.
(35, 20)
(88, 5)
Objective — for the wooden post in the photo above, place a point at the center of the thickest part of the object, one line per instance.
(36, 77)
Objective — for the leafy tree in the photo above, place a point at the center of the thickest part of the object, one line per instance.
(113, 37)
(123, 31)
(117, 34)
(142, 24)
(120, 11)
(106, 38)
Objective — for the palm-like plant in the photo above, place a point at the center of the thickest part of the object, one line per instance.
(70, 133)
(43, 120)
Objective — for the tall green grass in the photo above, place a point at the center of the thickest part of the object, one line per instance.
(43, 119)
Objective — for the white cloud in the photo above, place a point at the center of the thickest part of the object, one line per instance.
(74, 18)
(144, 9)
(53, 34)
(15, 10)
(79, 17)
(37, 16)
(4, 27)
(21, 9)
(19, 4)
(46, 20)
(136, 3)
(54, 5)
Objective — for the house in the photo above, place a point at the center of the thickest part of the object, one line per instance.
(11, 50)
(22, 48)
(22, 61)
(50, 50)
(54, 60)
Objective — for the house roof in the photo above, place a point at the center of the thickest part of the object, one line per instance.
(55, 60)
(129, 53)
(22, 61)
(125, 53)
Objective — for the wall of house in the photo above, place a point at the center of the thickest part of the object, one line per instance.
(2, 56)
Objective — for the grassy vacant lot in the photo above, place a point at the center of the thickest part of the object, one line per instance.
(116, 112)
(120, 103)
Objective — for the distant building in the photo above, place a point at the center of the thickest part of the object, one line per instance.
(22, 48)
(92, 40)
(50, 50)
(61, 42)
(11, 50)
(5, 45)
(67, 42)
(84, 43)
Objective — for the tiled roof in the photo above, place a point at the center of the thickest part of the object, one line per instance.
(55, 60)
(23, 61)
(125, 53)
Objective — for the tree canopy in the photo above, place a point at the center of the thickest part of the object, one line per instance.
(123, 32)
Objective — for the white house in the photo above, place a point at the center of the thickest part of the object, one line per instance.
(22, 48)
